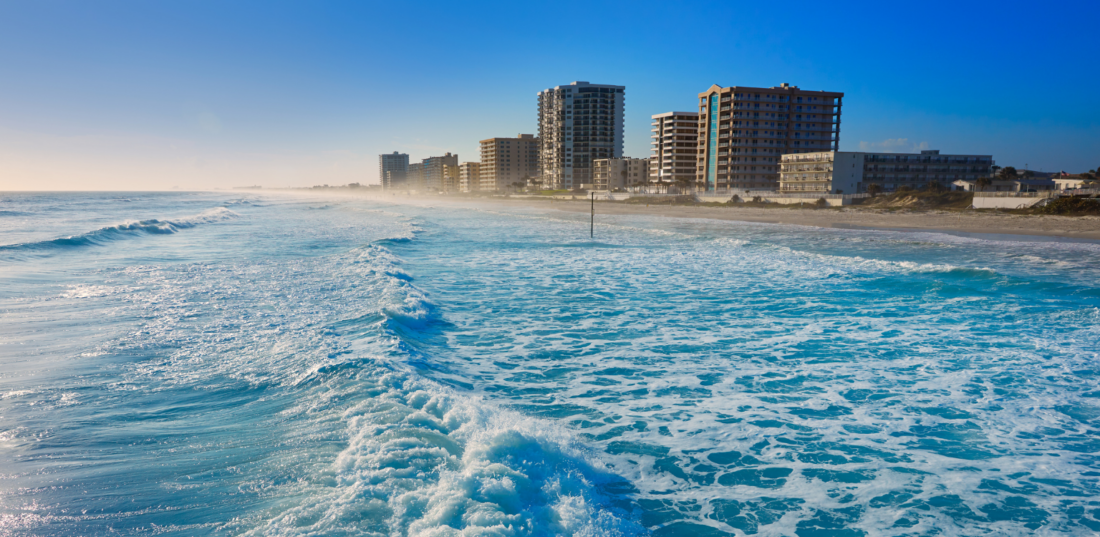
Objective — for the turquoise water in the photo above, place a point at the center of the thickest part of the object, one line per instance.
(192, 364)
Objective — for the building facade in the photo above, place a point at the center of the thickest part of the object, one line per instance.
(507, 161)
(578, 124)
(415, 178)
(619, 173)
(743, 131)
(675, 147)
(450, 178)
(469, 177)
(433, 170)
(393, 168)
(843, 172)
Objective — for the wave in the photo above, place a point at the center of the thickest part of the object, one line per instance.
(124, 230)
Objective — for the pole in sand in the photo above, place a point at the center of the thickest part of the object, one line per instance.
(592, 219)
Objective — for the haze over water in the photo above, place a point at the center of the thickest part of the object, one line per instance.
(195, 364)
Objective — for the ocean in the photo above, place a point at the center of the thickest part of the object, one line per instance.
(245, 364)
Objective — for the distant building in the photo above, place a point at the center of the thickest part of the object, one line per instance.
(450, 178)
(1006, 185)
(675, 147)
(578, 124)
(469, 177)
(505, 161)
(619, 173)
(851, 172)
(415, 178)
(392, 170)
(742, 132)
(433, 169)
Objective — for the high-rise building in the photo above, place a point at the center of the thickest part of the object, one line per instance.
(392, 170)
(843, 172)
(578, 123)
(743, 131)
(433, 169)
(415, 178)
(469, 177)
(675, 144)
(450, 178)
(619, 173)
(506, 161)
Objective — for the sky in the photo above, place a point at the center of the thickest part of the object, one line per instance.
(140, 95)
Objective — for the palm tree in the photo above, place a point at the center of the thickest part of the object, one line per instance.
(983, 182)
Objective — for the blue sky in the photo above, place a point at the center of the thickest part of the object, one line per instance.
(199, 94)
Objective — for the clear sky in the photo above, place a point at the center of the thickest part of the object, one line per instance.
(197, 94)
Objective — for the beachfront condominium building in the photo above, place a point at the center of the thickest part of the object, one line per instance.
(578, 123)
(392, 170)
(469, 177)
(434, 170)
(743, 131)
(508, 161)
(675, 144)
(843, 172)
(414, 180)
(450, 178)
(619, 173)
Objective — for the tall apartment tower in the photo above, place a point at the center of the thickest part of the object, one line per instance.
(578, 123)
(392, 170)
(415, 178)
(469, 177)
(744, 130)
(434, 170)
(505, 161)
(675, 144)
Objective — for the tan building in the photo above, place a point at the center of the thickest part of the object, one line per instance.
(469, 177)
(619, 173)
(505, 161)
(675, 145)
(450, 178)
(843, 172)
(743, 131)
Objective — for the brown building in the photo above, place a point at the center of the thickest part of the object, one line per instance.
(505, 161)
(742, 132)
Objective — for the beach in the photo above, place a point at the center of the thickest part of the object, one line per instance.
(957, 222)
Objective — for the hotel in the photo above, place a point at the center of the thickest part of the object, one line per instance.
(842, 172)
(742, 132)
(675, 144)
(578, 124)
(506, 161)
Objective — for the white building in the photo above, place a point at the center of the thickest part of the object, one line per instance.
(675, 144)
(842, 172)
(578, 124)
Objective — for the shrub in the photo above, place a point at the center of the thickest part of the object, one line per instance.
(821, 203)
(1071, 206)
(735, 198)
(757, 199)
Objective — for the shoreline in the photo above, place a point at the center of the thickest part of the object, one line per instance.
(996, 226)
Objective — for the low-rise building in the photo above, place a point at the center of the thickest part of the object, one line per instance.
(1005, 185)
(619, 173)
(469, 177)
(852, 172)
(450, 178)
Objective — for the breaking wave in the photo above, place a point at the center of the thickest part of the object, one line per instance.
(124, 230)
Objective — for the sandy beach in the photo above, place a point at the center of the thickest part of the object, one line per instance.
(970, 222)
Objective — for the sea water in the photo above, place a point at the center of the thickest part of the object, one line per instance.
(206, 364)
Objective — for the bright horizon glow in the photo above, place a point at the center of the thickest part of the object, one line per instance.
(126, 95)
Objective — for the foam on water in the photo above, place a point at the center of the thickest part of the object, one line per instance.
(389, 370)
